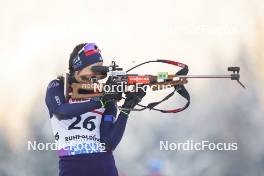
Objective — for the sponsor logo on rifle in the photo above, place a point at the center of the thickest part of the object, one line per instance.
(138, 79)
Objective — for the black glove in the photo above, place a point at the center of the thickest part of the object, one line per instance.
(132, 99)
(112, 95)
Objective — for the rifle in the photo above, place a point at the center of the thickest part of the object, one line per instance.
(162, 80)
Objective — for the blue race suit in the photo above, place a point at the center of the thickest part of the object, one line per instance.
(86, 133)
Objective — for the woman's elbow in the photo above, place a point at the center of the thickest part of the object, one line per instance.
(61, 116)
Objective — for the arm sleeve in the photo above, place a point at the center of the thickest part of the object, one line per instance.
(58, 106)
(112, 131)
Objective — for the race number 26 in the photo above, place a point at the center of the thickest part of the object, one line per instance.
(87, 123)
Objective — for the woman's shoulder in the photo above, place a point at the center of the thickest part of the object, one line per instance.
(58, 82)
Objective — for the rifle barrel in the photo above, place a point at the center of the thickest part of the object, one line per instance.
(205, 76)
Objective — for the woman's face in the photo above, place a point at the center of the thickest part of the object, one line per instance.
(86, 72)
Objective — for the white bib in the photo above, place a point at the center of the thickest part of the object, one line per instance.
(79, 135)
